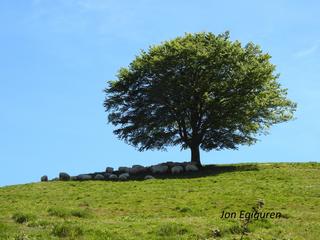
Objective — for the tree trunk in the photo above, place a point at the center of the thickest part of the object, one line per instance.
(195, 155)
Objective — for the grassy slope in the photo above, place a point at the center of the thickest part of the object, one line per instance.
(166, 209)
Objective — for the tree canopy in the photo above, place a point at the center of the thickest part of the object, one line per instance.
(198, 91)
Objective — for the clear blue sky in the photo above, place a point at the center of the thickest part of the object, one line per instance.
(56, 56)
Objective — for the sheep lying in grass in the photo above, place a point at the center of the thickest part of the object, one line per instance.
(176, 169)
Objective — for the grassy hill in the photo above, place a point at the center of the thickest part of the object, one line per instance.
(182, 208)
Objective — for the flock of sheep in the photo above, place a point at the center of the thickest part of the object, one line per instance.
(126, 173)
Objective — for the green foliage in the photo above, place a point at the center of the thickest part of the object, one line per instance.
(67, 230)
(199, 90)
(245, 222)
(21, 236)
(171, 229)
(137, 210)
(80, 213)
(63, 213)
(183, 209)
(22, 217)
(58, 212)
(236, 229)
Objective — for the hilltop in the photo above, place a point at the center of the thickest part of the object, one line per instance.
(189, 207)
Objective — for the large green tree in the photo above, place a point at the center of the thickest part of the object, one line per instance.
(197, 91)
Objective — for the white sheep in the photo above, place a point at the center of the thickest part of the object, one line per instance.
(191, 168)
(177, 169)
(124, 176)
(159, 169)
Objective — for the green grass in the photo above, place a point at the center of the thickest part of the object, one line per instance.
(186, 208)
